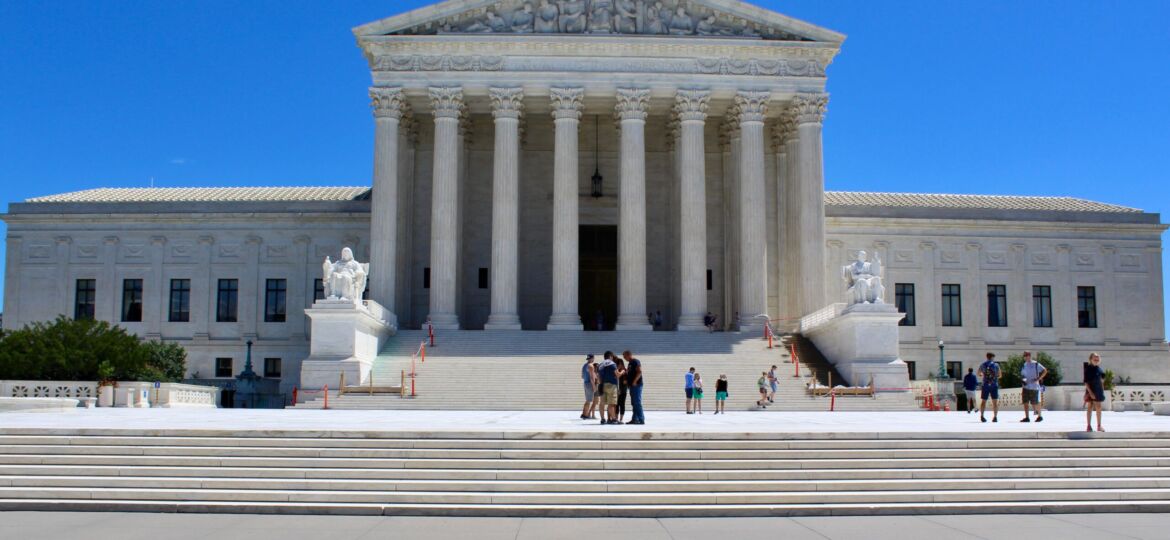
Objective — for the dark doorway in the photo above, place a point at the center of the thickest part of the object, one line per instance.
(598, 279)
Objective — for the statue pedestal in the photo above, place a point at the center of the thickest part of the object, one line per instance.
(346, 337)
(862, 343)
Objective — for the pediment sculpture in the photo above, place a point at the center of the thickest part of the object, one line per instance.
(344, 279)
(601, 17)
(863, 280)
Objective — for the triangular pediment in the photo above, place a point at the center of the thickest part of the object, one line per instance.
(728, 19)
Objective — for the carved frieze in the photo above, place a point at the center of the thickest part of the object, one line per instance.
(699, 66)
(444, 62)
(601, 17)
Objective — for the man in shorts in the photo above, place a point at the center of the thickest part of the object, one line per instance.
(689, 389)
(607, 370)
(1033, 374)
(970, 385)
(774, 383)
(587, 378)
(990, 373)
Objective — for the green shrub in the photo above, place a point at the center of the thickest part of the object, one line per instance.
(85, 350)
(1011, 370)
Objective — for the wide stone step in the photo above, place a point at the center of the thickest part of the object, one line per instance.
(590, 498)
(582, 486)
(573, 454)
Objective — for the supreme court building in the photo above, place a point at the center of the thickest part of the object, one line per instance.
(571, 165)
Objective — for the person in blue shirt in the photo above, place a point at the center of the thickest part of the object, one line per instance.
(587, 379)
(990, 373)
(689, 389)
(970, 384)
(1033, 374)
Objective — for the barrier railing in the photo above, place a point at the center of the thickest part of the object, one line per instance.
(421, 355)
(297, 391)
(795, 360)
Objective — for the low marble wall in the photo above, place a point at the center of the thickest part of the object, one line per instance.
(125, 394)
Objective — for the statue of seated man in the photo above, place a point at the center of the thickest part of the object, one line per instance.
(863, 280)
(344, 279)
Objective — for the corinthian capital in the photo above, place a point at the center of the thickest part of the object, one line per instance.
(809, 108)
(507, 102)
(388, 102)
(751, 106)
(567, 102)
(633, 103)
(691, 105)
(446, 101)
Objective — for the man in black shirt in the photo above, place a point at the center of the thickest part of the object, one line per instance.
(634, 381)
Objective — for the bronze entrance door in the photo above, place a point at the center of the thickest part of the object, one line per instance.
(598, 278)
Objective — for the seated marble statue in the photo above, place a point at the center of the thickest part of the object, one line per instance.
(681, 24)
(863, 280)
(344, 279)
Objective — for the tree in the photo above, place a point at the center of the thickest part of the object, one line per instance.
(86, 350)
(167, 362)
(1011, 370)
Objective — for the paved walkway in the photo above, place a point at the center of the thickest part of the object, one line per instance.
(567, 421)
(128, 526)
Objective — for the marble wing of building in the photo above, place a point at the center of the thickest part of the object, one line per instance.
(570, 165)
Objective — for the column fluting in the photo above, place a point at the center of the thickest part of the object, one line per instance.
(809, 112)
(389, 105)
(566, 111)
(447, 106)
(507, 106)
(753, 285)
(632, 107)
(691, 108)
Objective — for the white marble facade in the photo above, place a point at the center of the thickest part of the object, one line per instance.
(490, 118)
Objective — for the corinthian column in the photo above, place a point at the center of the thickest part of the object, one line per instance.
(507, 105)
(566, 112)
(808, 112)
(447, 104)
(753, 283)
(389, 106)
(691, 107)
(631, 110)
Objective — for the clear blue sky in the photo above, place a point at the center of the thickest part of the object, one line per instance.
(1043, 97)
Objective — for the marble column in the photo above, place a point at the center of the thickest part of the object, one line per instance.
(389, 105)
(631, 110)
(13, 254)
(109, 294)
(447, 105)
(691, 107)
(753, 282)
(507, 106)
(792, 202)
(781, 241)
(566, 112)
(154, 291)
(809, 112)
(204, 290)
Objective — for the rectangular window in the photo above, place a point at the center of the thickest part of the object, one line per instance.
(227, 299)
(997, 305)
(904, 299)
(131, 300)
(955, 370)
(427, 277)
(952, 305)
(483, 278)
(318, 289)
(83, 303)
(274, 296)
(1087, 307)
(180, 300)
(1042, 306)
(272, 368)
(223, 367)
(710, 280)
(912, 368)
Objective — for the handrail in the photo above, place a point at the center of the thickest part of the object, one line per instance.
(324, 389)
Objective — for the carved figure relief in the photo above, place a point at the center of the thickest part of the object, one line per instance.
(659, 17)
(344, 279)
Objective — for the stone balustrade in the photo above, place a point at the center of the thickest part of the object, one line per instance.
(821, 316)
(125, 394)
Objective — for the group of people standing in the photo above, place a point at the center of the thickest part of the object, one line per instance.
(693, 389)
(1032, 395)
(607, 385)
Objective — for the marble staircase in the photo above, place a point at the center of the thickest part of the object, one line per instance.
(581, 474)
(524, 370)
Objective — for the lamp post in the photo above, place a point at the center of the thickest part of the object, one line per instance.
(942, 365)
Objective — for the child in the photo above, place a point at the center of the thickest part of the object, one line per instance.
(763, 384)
(721, 394)
(698, 393)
